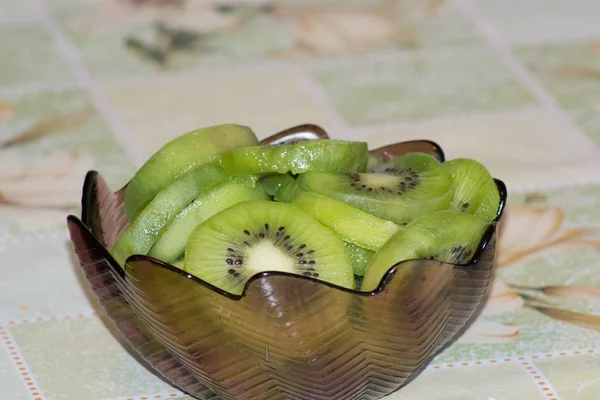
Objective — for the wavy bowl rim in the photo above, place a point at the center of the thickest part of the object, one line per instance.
(384, 281)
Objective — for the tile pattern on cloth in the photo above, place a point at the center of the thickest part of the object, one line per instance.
(86, 85)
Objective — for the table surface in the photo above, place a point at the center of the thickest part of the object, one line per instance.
(90, 84)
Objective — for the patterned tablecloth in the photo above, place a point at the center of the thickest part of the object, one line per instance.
(101, 84)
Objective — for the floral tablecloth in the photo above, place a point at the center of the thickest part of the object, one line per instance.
(101, 84)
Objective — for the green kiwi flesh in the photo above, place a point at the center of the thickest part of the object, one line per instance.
(288, 191)
(180, 156)
(475, 191)
(257, 236)
(445, 236)
(374, 160)
(490, 205)
(360, 258)
(353, 225)
(171, 243)
(400, 190)
(282, 187)
(179, 263)
(272, 183)
(310, 155)
(246, 180)
(146, 228)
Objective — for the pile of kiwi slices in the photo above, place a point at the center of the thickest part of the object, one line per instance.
(221, 206)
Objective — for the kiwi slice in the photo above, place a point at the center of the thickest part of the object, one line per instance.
(400, 190)
(246, 180)
(171, 243)
(490, 205)
(475, 191)
(178, 263)
(445, 236)
(144, 231)
(360, 258)
(373, 161)
(353, 225)
(288, 191)
(272, 183)
(283, 188)
(257, 236)
(179, 156)
(308, 155)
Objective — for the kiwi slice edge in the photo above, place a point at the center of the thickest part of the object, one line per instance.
(146, 228)
(257, 236)
(178, 157)
(300, 157)
(446, 236)
(400, 190)
(171, 244)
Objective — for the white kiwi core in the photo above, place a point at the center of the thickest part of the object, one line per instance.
(265, 256)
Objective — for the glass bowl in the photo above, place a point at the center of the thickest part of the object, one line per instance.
(286, 336)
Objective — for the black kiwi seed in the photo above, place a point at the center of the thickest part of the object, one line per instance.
(303, 255)
(459, 254)
(409, 179)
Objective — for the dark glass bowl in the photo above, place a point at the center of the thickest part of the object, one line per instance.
(286, 336)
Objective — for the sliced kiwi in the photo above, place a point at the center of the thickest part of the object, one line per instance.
(171, 243)
(272, 183)
(490, 205)
(360, 258)
(400, 190)
(353, 225)
(146, 228)
(475, 191)
(246, 180)
(288, 191)
(257, 236)
(374, 160)
(180, 156)
(308, 155)
(179, 263)
(445, 236)
(282, 187)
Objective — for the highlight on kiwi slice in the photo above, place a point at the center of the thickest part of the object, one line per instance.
(374, 160)
(475, 191)
(287, 191)
(353, 225)
(360, 258)
(272, 183)
(445, 236)
(257, 236)
(308, 155)
(179, 156)
(171, 244)
(400, 190)
(146, 228)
